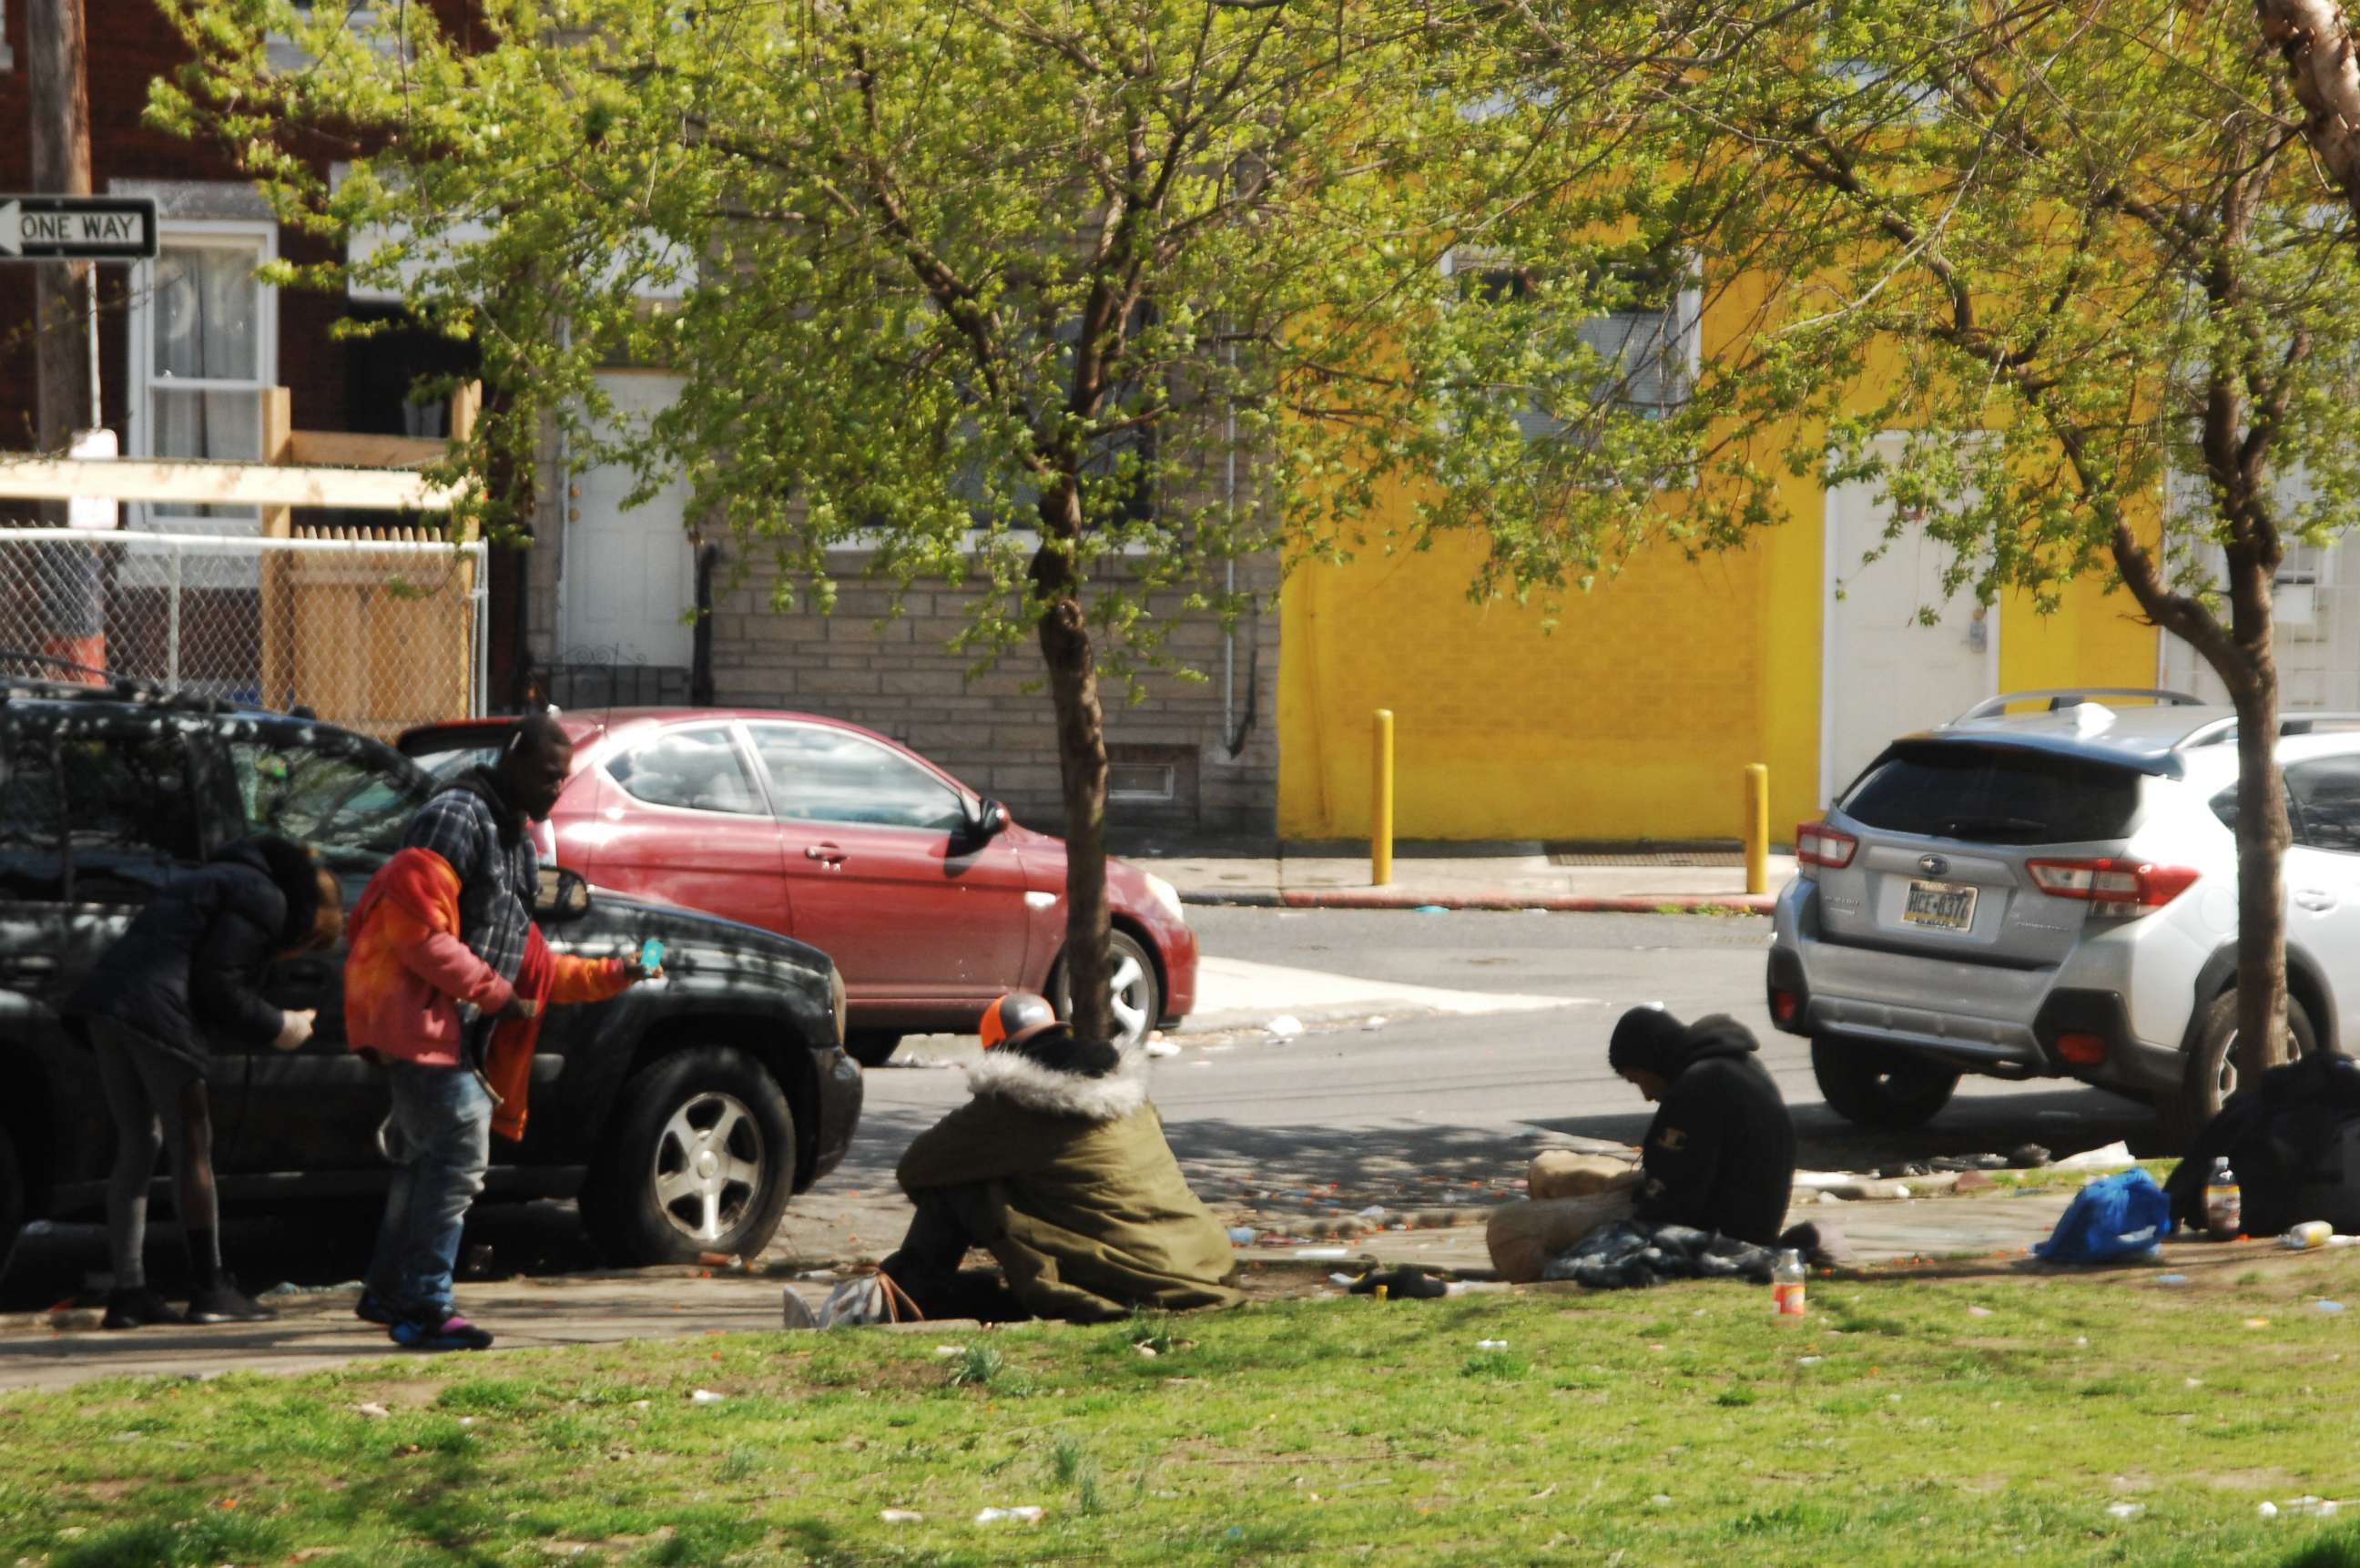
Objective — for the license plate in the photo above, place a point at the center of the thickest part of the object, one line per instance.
(1940, 906)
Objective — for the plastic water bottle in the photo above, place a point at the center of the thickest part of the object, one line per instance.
(2224, 1205)
(2311, 1234)
(1786, 1291)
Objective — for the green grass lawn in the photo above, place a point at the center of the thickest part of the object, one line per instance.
(1911, 1422)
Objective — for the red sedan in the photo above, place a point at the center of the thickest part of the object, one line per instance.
(930, 898)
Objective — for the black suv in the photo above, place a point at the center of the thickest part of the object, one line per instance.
(683, 1114)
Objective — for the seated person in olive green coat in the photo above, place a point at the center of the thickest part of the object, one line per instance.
(1058, 1168)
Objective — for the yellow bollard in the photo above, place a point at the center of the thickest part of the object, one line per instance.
(1757, 828)
(1381, 809)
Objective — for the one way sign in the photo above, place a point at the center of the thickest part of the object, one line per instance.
(77, 228)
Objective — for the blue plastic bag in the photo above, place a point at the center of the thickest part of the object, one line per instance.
(2114, 1217)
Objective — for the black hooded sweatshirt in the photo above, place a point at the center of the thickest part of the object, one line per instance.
(193, 963)
(1721, 1152)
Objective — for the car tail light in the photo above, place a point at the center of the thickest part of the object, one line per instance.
(1817, 844)
(1784, 1005)
(2082, 1049)
(2113, 887)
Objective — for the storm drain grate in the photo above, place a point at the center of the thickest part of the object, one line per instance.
(1645, 854)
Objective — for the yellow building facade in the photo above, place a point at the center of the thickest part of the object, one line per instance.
(1636, 715)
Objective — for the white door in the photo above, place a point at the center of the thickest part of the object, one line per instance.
(628, 581)
(1886, 672)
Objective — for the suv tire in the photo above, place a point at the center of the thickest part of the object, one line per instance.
(1129, 963)
(1877, 1086)
(700, 1157)
(871, 1047)
(2212, 1069)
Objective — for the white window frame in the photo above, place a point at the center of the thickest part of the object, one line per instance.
(187, 234)
(8, 56)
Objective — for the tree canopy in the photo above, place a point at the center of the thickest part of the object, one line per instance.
(985, 289)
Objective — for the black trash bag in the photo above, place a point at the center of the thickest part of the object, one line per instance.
(1632, 1254)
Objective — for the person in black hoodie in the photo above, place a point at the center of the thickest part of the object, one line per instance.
(190, 970)
(1720, 1155)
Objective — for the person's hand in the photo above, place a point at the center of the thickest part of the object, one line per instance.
(636, 972)
(520, 1006)
(296, 1028)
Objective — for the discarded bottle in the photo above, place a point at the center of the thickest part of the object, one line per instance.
(1786, 1290)
(2224, 1205)
(2309, 1234)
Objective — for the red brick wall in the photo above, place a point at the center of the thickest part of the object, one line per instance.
(131, 46)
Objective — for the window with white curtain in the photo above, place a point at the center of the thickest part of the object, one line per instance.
(204, 346)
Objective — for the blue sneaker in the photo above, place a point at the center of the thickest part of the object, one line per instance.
(452, 1333)
(371, 1309)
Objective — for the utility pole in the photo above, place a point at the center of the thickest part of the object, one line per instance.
(65, 316)
(58, 62)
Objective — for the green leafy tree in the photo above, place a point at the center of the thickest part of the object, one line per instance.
(983, 287)
(2078, 253)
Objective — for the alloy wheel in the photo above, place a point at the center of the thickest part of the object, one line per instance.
(709, 1164)
(1127, 995)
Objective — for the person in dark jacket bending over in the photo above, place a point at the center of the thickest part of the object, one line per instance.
(190, 970)
(1720, 1155)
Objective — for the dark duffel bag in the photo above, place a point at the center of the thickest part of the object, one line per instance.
(2328, 1187)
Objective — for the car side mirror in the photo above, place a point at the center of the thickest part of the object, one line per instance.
(563, 894)
(986, 820)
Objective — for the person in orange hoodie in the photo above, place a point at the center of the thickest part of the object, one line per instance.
(444, 984)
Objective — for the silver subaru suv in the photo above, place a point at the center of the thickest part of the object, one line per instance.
(2053, 894)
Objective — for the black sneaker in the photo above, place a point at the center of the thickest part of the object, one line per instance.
(137, 1308)
(371, 1309)
(452, 1333)
(224, 1302)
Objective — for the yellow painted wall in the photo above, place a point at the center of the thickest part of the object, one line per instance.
(1632, 718)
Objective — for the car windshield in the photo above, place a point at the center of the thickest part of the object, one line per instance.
(1994, 795)
(347, 799)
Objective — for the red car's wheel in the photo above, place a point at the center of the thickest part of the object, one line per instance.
(1133, 990)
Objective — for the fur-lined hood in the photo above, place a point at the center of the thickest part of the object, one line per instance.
(1019, 1079)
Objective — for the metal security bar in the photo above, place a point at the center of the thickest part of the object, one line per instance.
(376, 631)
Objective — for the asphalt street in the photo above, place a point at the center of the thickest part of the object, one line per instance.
(1466, 1097)
(1412, 1112)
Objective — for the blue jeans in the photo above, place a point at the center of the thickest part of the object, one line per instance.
(445, 1114)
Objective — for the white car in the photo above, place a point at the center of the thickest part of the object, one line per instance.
(2054, 894)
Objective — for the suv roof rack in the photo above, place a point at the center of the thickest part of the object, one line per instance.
(2062, 697)
(104, 679)
(2223, 730)
(102, 686)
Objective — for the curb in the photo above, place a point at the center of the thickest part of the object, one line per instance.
(1555, 904)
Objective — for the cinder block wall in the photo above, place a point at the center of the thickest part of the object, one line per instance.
(995, 729)
(897, 675)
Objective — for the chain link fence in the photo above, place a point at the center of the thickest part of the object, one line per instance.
(376, 631)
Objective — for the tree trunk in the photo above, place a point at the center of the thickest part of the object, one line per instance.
(2315, 38)
(2262, 831)
(57, 62)
(65, 305)
(1066, 649)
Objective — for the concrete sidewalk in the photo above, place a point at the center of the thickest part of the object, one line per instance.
(318, 1330)
(1521, 874)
